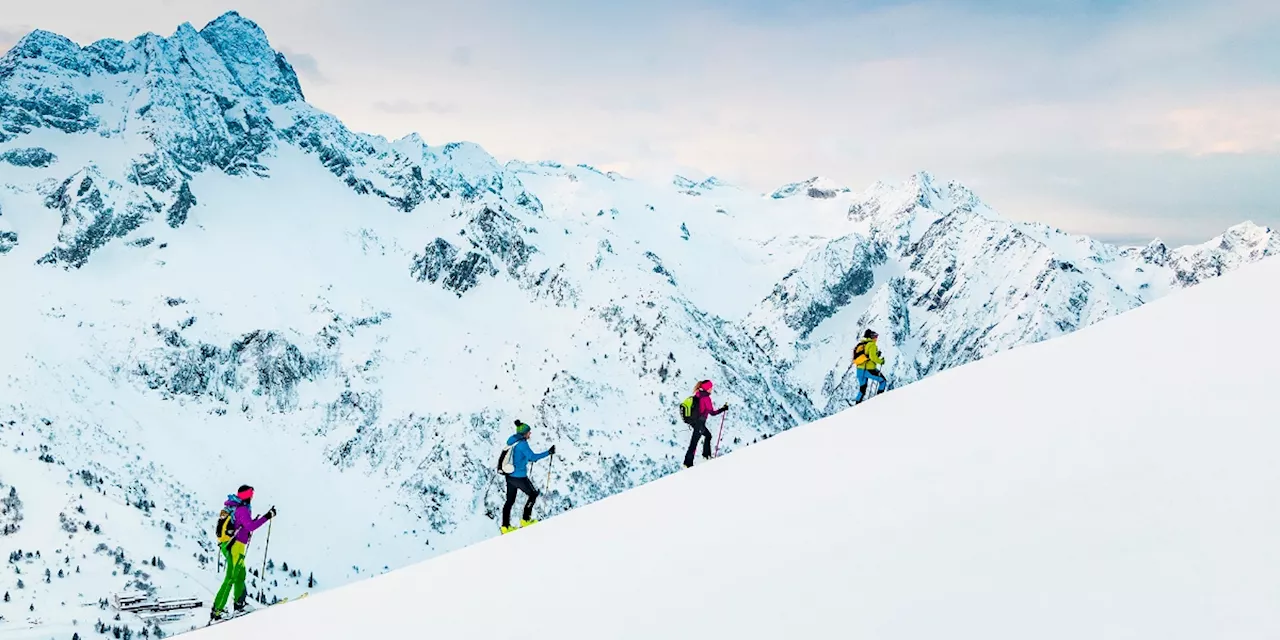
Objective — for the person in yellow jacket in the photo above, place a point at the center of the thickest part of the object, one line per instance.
(867, 360)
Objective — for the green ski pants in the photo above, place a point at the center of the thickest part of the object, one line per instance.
(233, 552)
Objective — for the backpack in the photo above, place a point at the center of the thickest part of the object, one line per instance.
(860, 353)
(686, 410)
(506, 459)
(226, 527)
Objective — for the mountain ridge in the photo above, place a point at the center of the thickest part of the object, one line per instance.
(214, 283)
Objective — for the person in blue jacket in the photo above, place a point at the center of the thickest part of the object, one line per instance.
(518, 479)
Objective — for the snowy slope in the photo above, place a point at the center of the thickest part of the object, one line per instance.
(210, 282)
(1064, 510)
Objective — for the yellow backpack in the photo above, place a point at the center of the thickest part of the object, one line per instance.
(226, 528)
(860, 354)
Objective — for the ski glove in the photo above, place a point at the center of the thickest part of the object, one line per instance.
(552, 450)
(725, 407)
(271, 513)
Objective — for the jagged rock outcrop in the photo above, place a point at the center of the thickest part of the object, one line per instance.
(816, 187)
(1240, 245)
(28, 157)
(95, 210)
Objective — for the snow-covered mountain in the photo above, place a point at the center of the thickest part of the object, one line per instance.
(912, 518)
(210, 282)
(1240, 245)
(953, 282)
(816, 187)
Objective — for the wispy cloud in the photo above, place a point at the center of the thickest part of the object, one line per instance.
(306, 65)
(1235, 124)
(405, 107)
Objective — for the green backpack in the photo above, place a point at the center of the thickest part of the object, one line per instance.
(686, 410)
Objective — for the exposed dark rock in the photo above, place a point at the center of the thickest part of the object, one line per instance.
(181, 206)
(29, 157)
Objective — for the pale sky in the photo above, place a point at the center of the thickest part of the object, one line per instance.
(1124, 120)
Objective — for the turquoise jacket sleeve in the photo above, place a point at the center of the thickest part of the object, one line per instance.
(527, 453)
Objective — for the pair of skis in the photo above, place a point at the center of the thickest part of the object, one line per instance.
(241, 614)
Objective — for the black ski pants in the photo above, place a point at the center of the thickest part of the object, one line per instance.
(514, 485)
(700, 430)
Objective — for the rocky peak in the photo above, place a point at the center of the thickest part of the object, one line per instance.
(683, 182)
(258, 68)
(1250, 238)
(467, 171)
(816, 187)
(960, 197)
(900, 215)
(692, 187)
(925, 192)
(1156, 252)
(921, 181)
(410, 145)
(42, 47)
(1239, 245)
(109, 54)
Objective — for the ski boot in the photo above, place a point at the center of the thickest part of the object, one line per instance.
(506, 530)
(525, 523)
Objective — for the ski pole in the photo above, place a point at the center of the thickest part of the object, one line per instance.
(549, 461)
(722, 417)
(265, 548)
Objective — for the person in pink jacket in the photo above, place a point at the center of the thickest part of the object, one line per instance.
(703, 408)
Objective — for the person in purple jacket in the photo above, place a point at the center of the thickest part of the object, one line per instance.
(236, 525)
